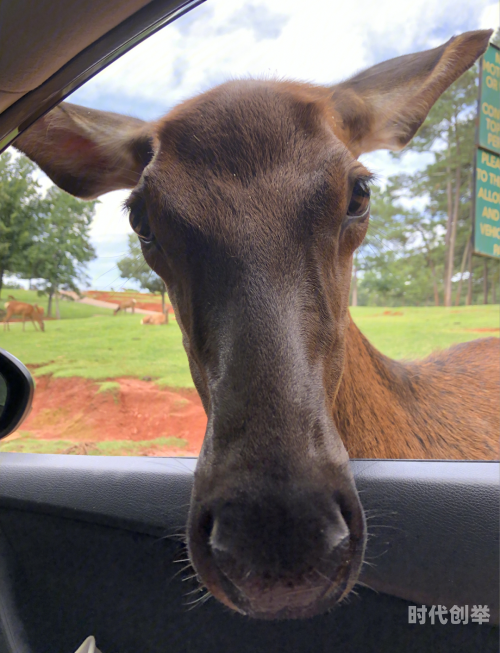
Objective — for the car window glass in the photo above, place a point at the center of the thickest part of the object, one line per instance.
(3, 393)
(100, 334)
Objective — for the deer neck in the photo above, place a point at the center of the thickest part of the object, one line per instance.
(434, 408)
(368, 401)
(378, 411)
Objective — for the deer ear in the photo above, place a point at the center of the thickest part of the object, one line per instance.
(88, 152)
(382, 107)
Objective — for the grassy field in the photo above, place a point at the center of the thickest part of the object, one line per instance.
(118, 296)
(102, 348)
(69, 310)
(106, 347)
(415, 332)
(27, 444)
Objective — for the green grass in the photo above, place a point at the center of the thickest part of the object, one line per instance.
(68, 309)
(27, 444)
(109, 386)
(108, 347)
(420, 331)
(103, 348)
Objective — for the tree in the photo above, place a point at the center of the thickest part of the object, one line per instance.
(61, 249)
(449, 132)
(399, 257)
(410, 254)
(19, 209)
(133, 266)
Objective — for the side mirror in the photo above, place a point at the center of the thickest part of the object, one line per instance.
(16, 393)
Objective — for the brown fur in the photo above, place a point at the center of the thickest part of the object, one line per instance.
(127, 303)
(162, 318)
(445, 406)
(21, 309)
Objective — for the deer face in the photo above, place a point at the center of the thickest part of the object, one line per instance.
(249, 203)
(256, 251)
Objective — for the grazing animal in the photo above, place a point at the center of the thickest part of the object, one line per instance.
(161, 318)
(11, 297)
(249, 203)
(24, 310)
(127, 303)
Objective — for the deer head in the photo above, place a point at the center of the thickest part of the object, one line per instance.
(249, 201)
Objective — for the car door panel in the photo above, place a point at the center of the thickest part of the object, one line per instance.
(93, 544)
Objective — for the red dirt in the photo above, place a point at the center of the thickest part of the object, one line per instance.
(385, 313)
(154, 307)
(484, 330)
(115, 298)
(72, 409)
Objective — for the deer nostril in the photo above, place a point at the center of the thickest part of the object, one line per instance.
(335, 535)
(205, 524)
(218, 543)
(281, 552)
(277, 537)
(346, 515)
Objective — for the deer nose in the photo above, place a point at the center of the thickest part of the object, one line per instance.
(272, 539)
(290, 551)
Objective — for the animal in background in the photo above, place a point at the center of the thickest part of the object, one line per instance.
(161, 318)
(127, 303)
(26, 311)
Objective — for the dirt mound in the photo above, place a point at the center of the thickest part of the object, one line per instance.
(84, 412)
(386, 313)
(484, 330)
(154, 303)
(154, 307)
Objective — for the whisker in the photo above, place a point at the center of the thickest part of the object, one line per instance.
(203, 599)
(377, 556)
(180, 571)
(362, 584)
(369, 564)
(196, 591)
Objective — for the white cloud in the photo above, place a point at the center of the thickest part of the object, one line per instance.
(103, 271)
(110, 218)
(316, 41)
(109, 232)
(490, 16)
(383, 165)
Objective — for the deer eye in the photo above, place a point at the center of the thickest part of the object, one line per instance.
(139, 221)
(359, 206)
(146, 241)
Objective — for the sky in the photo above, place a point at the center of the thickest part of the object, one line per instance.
(320, 41)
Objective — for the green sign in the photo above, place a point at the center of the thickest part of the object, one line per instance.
(489, 109)
(487, 209)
